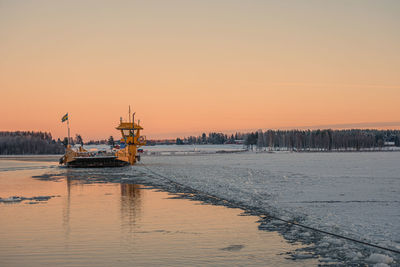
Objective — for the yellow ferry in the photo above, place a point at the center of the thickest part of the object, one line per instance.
(126, 154)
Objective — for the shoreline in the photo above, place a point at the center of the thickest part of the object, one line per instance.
(326, 151)
(48, 158)
(56, 157)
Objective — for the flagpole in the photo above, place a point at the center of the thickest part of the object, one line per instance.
(68, 132)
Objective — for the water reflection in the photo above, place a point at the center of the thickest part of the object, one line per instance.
(99, 221)
(67, 211)
(130, 200)
(130, 205)
(70, 182)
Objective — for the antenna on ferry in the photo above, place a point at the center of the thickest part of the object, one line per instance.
(129, 113)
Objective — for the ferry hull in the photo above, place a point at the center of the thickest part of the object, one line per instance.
(96, 163)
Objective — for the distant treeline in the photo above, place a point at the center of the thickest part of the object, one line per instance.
(153, 142)
(26, 142)
(98, 142)
(78, 140)
(303, 140)
(212, 138)
(325, 140)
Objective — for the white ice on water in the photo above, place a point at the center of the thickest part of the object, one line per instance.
(355, 194)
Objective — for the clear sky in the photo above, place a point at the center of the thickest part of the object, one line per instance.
(192, 66)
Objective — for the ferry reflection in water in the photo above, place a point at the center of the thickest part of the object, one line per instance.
(130, 201)
(130, 205)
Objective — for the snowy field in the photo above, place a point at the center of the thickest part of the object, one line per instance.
(353, 194)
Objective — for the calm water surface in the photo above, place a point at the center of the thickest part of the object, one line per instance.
(110, 224)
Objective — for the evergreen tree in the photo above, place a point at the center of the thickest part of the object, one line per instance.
(111, 141)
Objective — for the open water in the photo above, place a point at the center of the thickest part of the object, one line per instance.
(75, 223)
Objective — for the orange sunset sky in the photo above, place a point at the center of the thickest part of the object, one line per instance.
(192, 66)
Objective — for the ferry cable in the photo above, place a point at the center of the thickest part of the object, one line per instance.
(278, 218)
(335, 235)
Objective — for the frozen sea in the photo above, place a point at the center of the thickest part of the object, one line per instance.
(353, 195)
